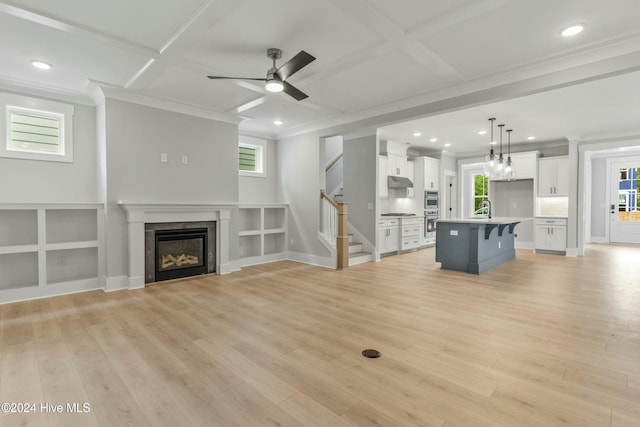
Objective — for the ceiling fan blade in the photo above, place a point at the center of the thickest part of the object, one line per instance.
(236, 78)
(294, 92)
(295, 64)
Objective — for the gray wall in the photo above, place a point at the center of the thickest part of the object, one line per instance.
(360, 164)
(262, 189)
(135, 137)
(32, 181)
(299, 159)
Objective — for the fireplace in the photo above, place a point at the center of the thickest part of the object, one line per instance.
(179, 249)
(180, 253)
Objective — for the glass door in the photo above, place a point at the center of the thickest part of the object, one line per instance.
(624, 209)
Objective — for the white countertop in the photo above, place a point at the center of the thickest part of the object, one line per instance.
(483, 220)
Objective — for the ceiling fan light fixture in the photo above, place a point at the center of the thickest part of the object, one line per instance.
(274, 85)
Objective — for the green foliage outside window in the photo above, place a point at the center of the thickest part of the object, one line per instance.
(480, 190)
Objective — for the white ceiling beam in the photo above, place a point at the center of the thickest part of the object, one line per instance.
(173, 50)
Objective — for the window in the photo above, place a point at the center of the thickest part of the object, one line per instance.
(251, 157)
(36, 129)
(480, 193)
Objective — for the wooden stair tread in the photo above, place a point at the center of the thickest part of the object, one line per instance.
(355, 254)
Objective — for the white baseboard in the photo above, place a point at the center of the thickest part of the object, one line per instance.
(229, 267)
(312, 259)
(256, 260)
(599, 239)
(573, 252)
(50, 290)
(115, 283)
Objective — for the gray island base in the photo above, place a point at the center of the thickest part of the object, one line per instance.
(475, 245)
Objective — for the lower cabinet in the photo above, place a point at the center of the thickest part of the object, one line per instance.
(551, 234)
(388, 235)
(410, 233)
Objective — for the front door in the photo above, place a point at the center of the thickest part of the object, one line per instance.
(624, 207)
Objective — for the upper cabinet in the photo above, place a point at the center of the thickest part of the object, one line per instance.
(553, 177)
(523, 165)
(431, 170)
(411, 174)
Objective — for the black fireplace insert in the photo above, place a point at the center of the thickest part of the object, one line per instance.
(180, 253)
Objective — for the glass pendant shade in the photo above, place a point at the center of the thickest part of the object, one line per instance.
(496, 166)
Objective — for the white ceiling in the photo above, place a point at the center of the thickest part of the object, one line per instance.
(379, 63)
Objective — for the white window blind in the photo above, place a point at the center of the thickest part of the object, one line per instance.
(35, 131)
(247, 158)
(35, 128)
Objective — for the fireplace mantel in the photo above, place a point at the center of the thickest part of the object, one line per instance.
(141, 213)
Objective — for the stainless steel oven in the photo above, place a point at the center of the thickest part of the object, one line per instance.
(430, 200)
(431, 215)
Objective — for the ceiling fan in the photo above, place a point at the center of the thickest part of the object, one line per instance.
(276, 80)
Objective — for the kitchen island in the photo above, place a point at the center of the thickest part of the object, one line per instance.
(475, 245)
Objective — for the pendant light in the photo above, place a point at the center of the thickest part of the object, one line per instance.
(490, 160)
(509, 174)
(500, 164)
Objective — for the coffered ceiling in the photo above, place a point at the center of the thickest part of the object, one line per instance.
(379, 63)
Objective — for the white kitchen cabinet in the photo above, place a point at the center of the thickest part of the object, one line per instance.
(551, 234)
(410, 233)
(523, 164)
(388, 235)
(383, 186)
(411, 174)
(553, 177)
(431, 171)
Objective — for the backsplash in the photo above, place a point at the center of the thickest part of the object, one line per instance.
(553, 206)
(400, 204)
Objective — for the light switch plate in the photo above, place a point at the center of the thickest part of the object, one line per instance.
(163, 157)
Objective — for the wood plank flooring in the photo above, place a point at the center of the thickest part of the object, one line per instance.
(542, 340)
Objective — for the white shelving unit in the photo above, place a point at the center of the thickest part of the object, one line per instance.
(48, 249)
(262, 233)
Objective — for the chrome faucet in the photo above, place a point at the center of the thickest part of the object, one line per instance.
(487, 203)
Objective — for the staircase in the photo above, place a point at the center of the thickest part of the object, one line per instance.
(356, 254)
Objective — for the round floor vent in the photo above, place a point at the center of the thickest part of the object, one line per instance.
(371, 353)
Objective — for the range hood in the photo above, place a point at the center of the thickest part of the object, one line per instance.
(399, 182)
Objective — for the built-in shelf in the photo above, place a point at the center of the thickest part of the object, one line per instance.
(262, 235)
(48, 249)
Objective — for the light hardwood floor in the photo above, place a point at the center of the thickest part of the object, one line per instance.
(542, 340)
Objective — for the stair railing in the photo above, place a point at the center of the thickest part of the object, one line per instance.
(335, 216)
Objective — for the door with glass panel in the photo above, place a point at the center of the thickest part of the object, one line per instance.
(624, 208)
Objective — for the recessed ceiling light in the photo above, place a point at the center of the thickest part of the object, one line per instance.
(572, 30)
(278, 122)
(41, 65)
(531, 138)
(482, 132)
(493, 142)
(448, 144)
(433, 139)
(417, 134)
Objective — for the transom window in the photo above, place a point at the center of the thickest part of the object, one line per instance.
(36, 129)
(251, 157)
